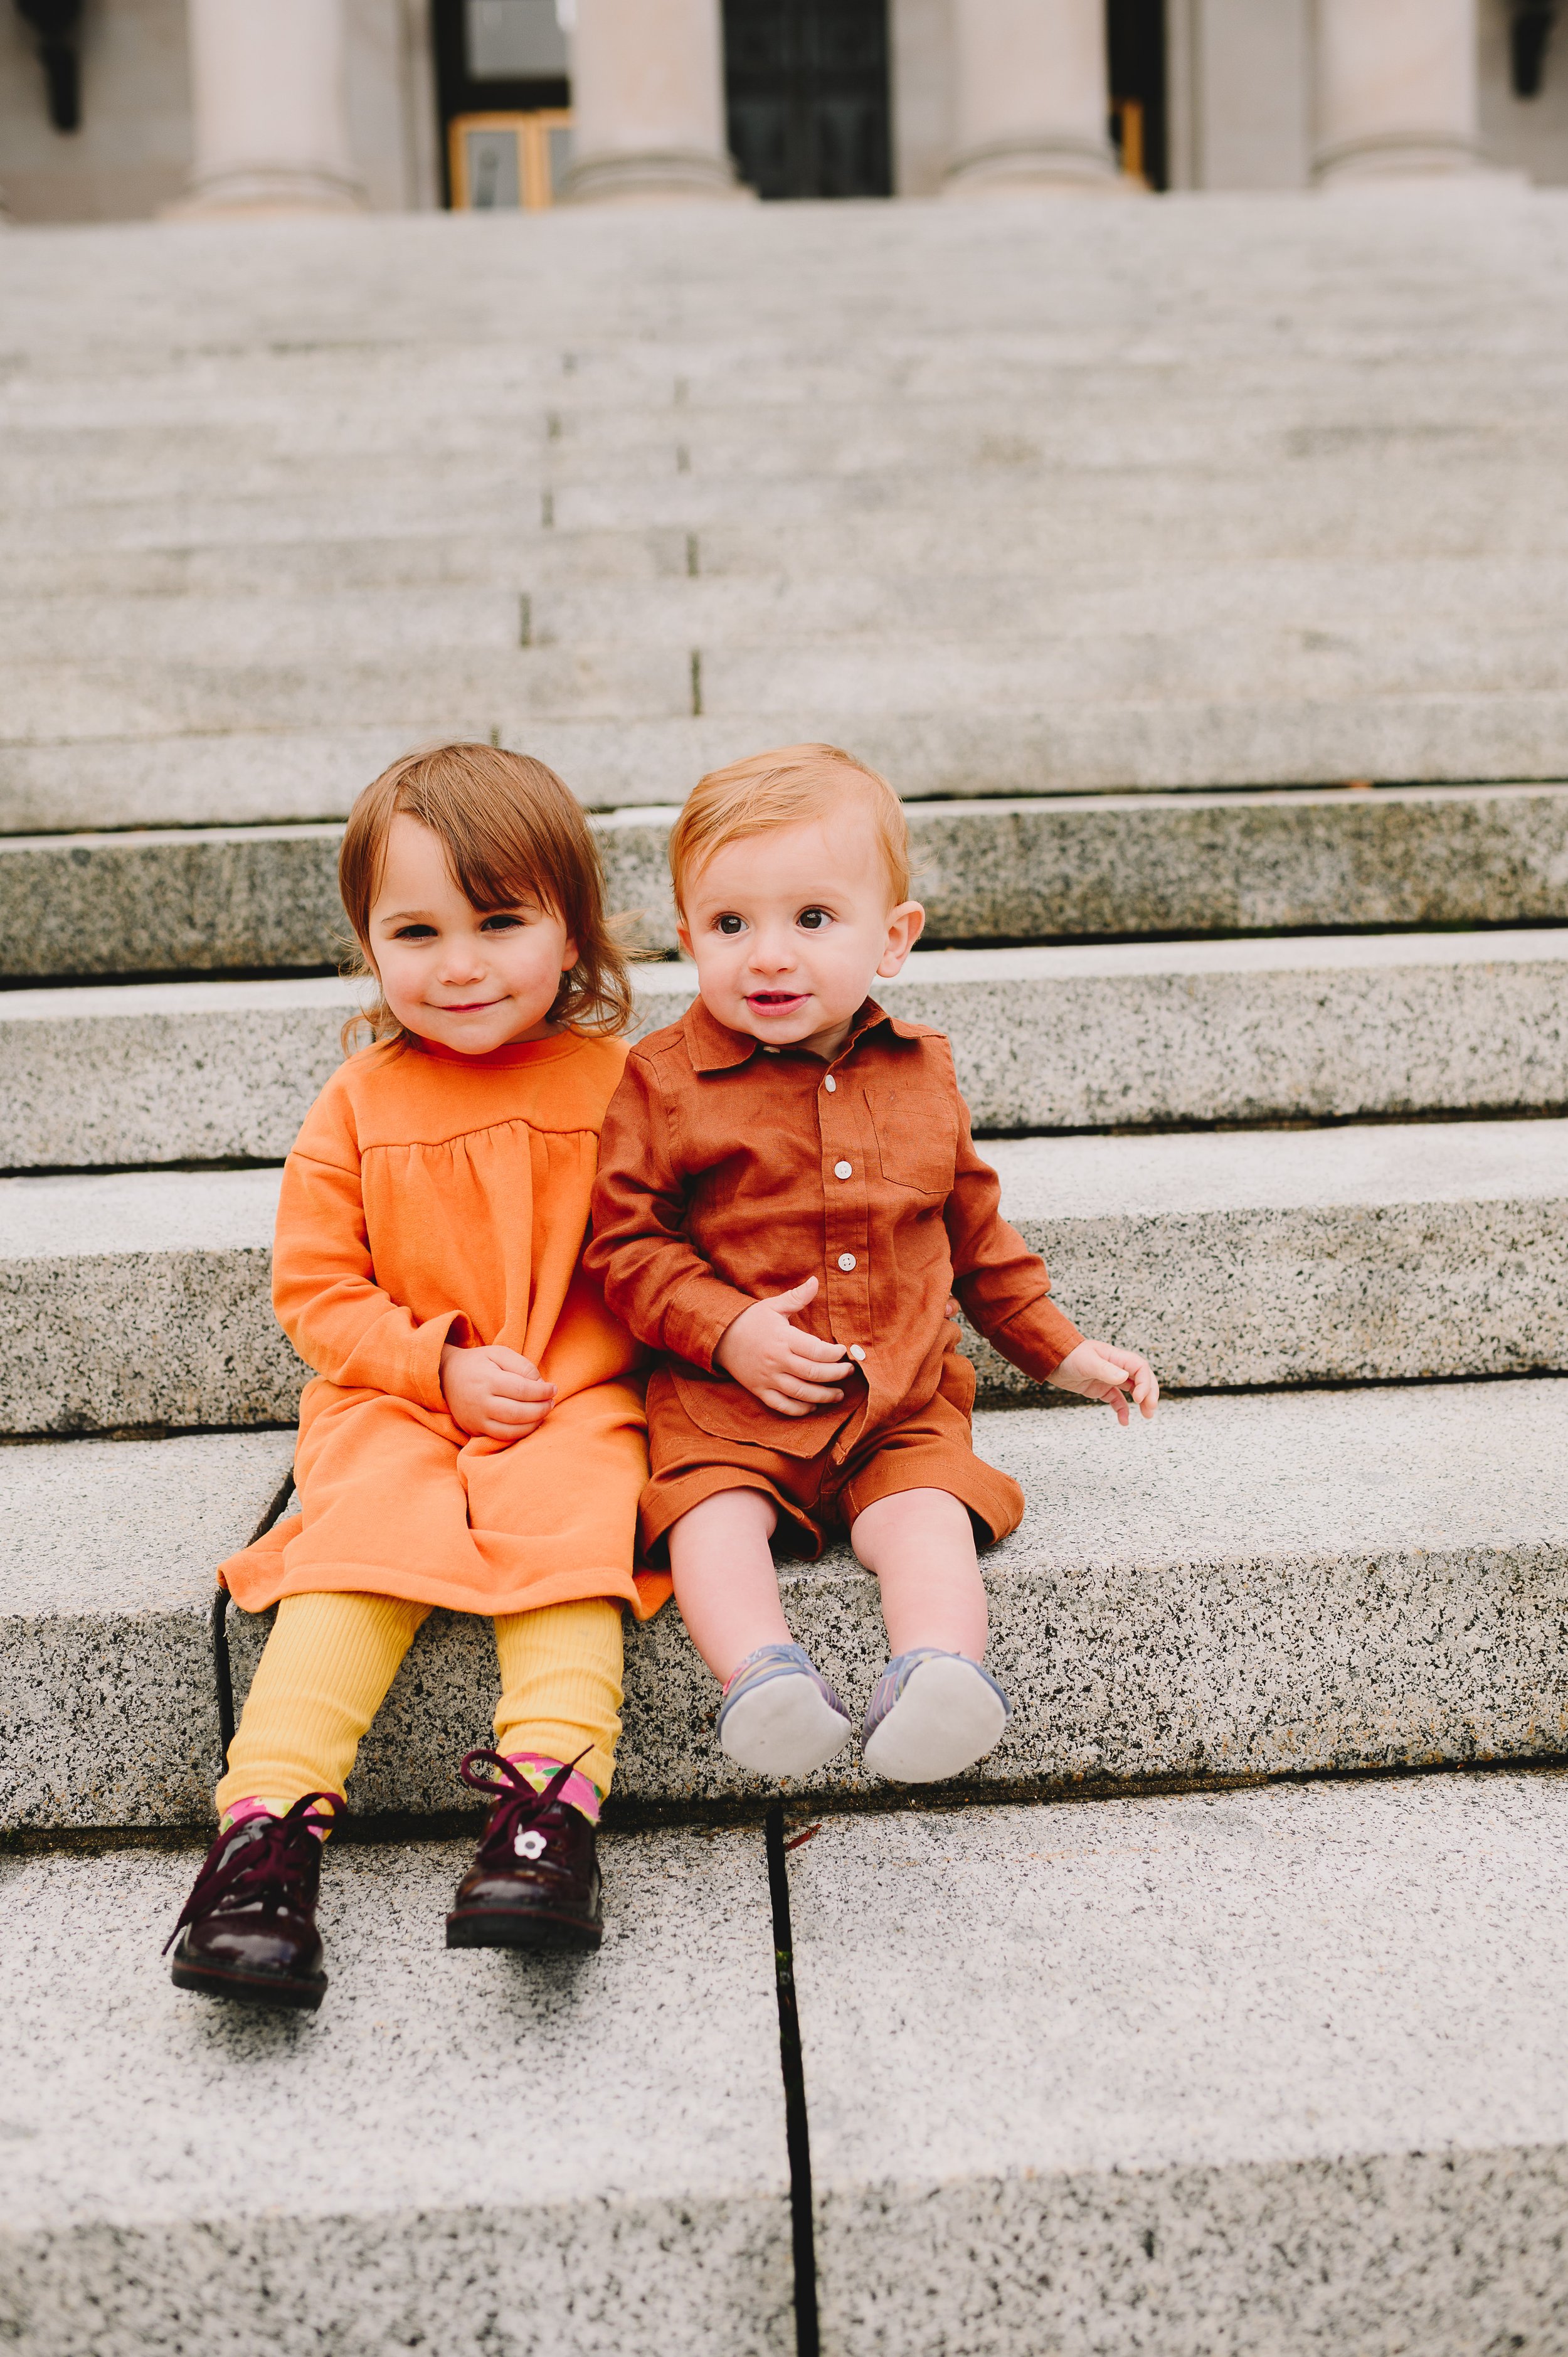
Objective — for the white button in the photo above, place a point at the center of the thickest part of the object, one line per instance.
(846, 1260)
(829, 1084)
(844, 1170)
(767, 1051)
(855, 1351)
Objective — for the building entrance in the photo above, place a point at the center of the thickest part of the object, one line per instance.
(500, 81)
(806, 89)
(1135, 48)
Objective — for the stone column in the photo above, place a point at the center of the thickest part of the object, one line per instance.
(270, 109)
(648, 101)
(1394, 89)
(1031, 101)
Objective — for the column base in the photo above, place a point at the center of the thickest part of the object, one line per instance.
(1026, 165)
(636, 179)
(266, 189)
(1403, 156)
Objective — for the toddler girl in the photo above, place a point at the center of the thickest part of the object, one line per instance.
(473, 1435)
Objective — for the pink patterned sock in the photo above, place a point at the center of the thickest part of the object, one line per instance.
(238, 1812)
(584, 1795)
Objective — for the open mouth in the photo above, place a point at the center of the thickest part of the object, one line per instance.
(776, 1002)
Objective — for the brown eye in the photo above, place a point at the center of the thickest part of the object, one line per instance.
(729, 924)
(811, 920)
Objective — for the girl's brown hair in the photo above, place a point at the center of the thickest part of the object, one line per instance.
(511, 833)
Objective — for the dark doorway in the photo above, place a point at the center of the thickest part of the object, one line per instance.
(806, 86)
(1135, 37)
(496, 57)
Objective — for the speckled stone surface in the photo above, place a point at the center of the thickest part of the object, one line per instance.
(1252, 1586)
(464, 2152)
(142, 1298)
(209, 900)
(150, 1072)
(1007, 512)
(1240, 863)
(1284, 2070)
(108, 1712)
(1249, 1587)
(1273, 1256)
(186, 900)
(1042, 1038)
(1125, 1033)
(1230, 1259)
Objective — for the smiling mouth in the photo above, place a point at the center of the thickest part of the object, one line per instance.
(468, 1006)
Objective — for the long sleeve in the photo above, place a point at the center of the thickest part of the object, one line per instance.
(654, 1281)
(1003, 1286)
(324, 1293)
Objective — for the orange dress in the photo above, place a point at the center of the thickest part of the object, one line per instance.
(432, 1198)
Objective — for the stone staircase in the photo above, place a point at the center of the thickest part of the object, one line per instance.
(1196, 570)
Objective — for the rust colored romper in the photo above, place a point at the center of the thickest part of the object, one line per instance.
(729, 1171)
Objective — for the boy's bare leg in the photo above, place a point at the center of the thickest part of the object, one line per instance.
(780, 1715)
(935, 1711)
(920, 1545)
(725, 1585)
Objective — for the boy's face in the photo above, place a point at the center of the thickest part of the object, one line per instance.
(791, 929)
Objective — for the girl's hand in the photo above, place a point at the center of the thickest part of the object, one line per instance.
(1099, 1371)
(494, 1394)
(789, 1370)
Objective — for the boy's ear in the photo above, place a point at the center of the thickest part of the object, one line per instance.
(905, 926)
(683, 933)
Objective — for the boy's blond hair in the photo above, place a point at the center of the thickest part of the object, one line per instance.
(793, 783)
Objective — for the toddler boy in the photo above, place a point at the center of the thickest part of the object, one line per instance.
(787, 1194)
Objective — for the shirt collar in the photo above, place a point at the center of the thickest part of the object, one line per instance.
(714, 1047)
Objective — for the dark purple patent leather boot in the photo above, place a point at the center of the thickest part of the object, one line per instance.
(248, 1930)
(535, 1881)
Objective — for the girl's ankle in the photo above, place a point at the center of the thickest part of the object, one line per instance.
(251, 1805)
(579, 1791)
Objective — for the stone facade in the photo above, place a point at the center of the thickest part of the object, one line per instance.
(339, 106)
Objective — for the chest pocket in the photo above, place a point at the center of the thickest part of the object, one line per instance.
(917, 1143)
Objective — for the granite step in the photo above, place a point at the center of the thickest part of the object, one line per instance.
(247, 775)
(80, 448)
(1390, 628)
(435, 666)
(452, 691)
(467, 2152)
(1117, 531)
(1273, 2071)
(1001, 409)
(1254, 1586)
(1232, 1259)
(1123, 1035)
(1263, 1995)
(1093, 278)
(469, 659)
(209, 900)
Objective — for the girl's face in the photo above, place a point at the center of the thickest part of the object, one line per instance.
(467, 978)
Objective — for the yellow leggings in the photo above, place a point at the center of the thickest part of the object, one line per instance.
(326, 1668)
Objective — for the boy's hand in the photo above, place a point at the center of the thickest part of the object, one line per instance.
(787, 1369)
(494, 1394)
(1099, 1371)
